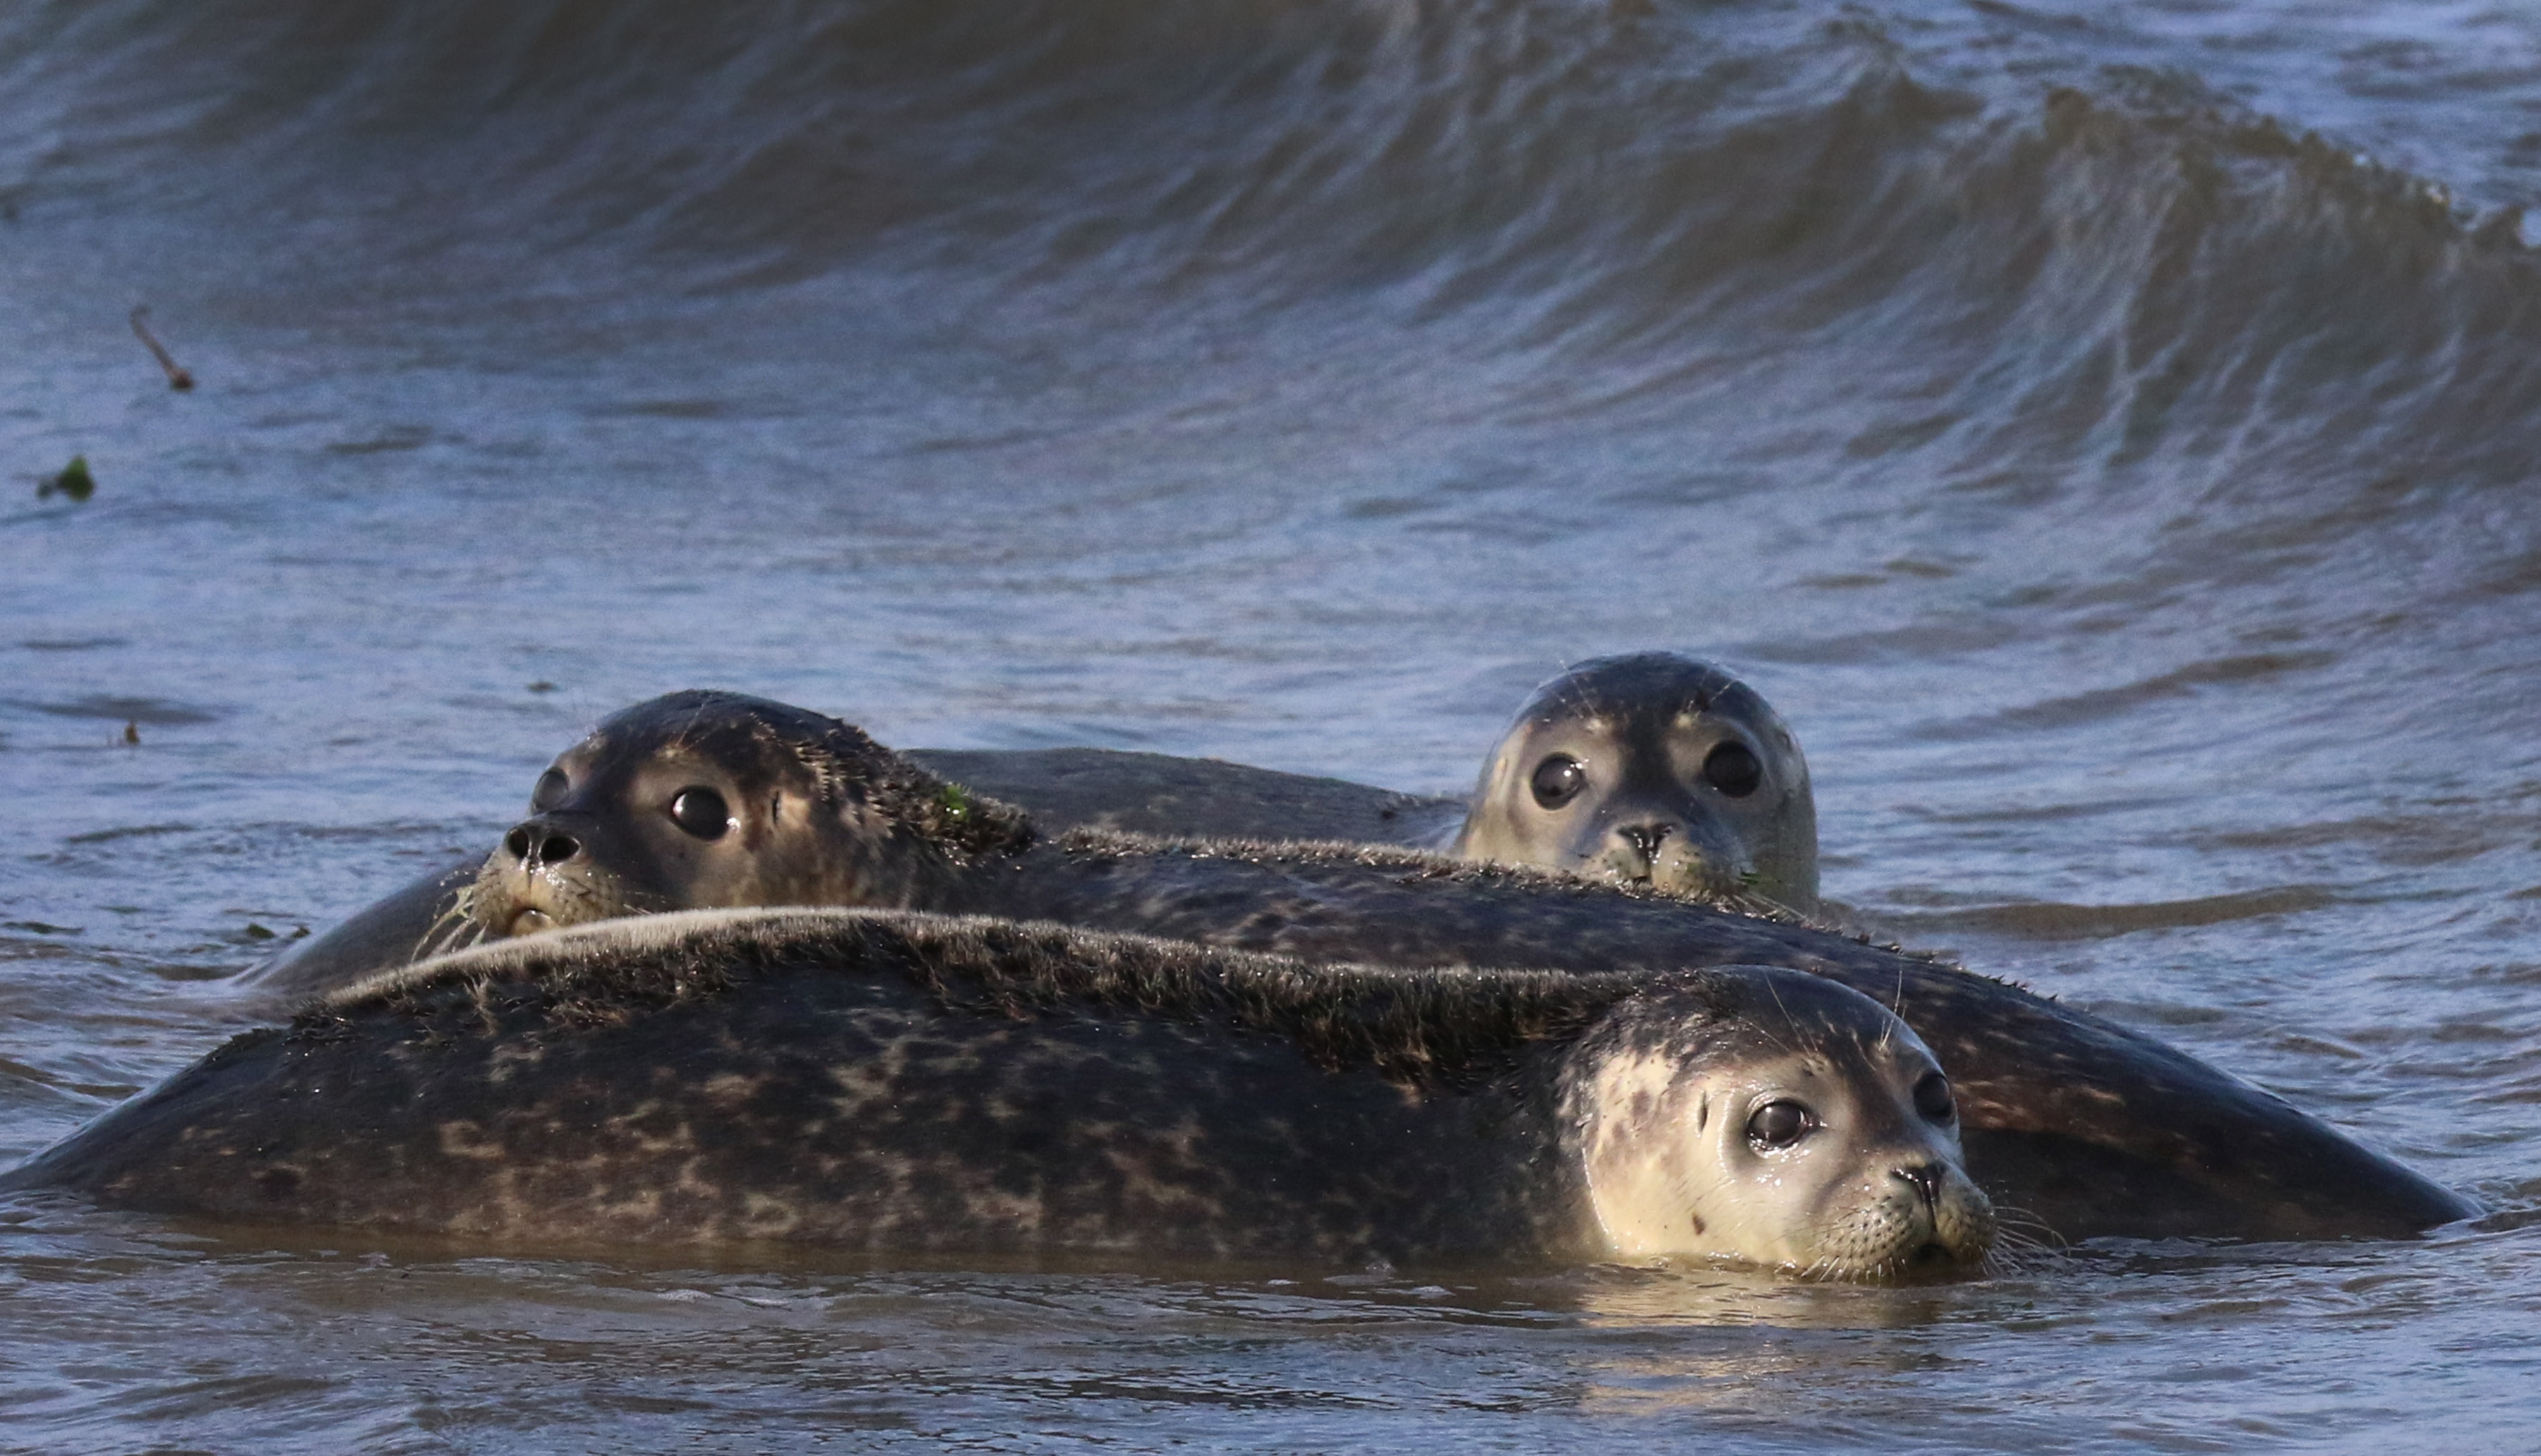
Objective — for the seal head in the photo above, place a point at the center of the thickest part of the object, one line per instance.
(703, 800)
(1775, 1117)
(1655, 768)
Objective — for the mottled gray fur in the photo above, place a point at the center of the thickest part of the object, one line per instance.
(901, 1082)
(2085, 1125)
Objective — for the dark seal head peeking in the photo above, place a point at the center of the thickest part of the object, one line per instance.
(1652, 767)
(704, 800)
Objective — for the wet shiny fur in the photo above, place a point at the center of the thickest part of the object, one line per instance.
(2078, 1123)
(909, 1082)
(812, 812)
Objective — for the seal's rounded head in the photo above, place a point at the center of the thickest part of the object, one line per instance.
(700, 799)
(1652, 768)
(1773, 1118)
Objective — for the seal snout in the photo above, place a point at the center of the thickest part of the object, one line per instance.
(1928, 1181)
(1925, 1179)
(1674, 853)
(538, 844)
(543, 876)
(1635, 852)
(1644, 838)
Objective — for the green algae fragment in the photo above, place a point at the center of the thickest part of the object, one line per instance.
(74, 482)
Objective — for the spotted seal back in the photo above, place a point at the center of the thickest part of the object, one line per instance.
(911, 1082)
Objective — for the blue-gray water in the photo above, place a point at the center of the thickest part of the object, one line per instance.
(2106, 431)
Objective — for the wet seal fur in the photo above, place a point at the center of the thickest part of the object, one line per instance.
(2088, 1128)
(1656, 768)
(1763, 841)
(909, 1082)
(708, 800)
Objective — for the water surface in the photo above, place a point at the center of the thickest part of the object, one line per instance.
(2105, 431)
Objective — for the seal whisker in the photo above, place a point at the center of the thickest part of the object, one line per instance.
(458, 919)
(2013, 1221)
(2017, 1254)
(1777, 989)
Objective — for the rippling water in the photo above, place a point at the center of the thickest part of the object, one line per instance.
(2105, 431)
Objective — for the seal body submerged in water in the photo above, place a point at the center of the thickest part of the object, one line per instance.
(2088, 1127)
(912, 1082)
(1652, 767)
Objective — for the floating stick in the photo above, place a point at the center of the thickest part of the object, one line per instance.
(177, 376)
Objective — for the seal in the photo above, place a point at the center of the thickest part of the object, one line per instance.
(1645, 738)
(1652, 768)
(899, 1082)
(704, 800)
(2081, 1125)
(1143, 794)
(1061, 789)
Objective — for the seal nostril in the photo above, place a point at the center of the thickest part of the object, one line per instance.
(1925, 1179)
(537, 846)
(1644, 838)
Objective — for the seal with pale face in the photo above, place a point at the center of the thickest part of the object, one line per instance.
(1654, 769)
(2083, 1125)
(901, 1082)
(1804, 1128)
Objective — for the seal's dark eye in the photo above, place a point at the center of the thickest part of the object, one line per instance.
(1557, 780)
(1733, 768)
(549, 792)
(1932, 1097)
(701, 811)
(1779, 1124)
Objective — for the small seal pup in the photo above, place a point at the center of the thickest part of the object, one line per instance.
(2083, 1125)
(898, 1082)
(1656, 768)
